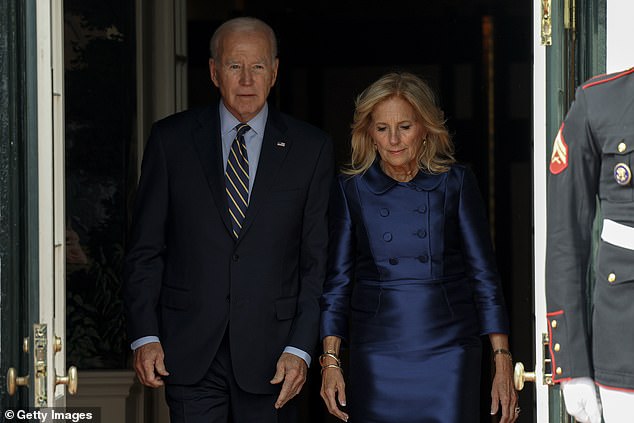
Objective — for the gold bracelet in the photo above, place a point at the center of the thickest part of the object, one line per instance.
(331, 366)
(503, 351)
(330, 354)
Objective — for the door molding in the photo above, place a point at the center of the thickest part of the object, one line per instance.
(49, 73)
(539, 208)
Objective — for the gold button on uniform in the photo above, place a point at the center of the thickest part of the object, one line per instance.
(622, 147)
(559, 371)
(553, 323)
(611, 278)
(557, 347)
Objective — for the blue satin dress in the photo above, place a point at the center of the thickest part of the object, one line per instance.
(412, 285)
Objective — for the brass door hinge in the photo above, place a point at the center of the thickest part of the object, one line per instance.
(547, 26)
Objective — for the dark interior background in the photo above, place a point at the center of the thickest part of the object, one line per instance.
(330, 50)
(476, 54)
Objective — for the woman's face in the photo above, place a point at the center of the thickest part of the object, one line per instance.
(397, 133)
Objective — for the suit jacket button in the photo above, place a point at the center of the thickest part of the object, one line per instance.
(424, 258)
(422, 233)
(384, 212)
(235, 257)
(387, 237)
(393, 261)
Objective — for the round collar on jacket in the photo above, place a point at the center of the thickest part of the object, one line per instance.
(379, 183)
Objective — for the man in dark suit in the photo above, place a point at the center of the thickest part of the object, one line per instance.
(228, 245)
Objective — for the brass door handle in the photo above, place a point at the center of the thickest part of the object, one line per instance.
(69, 380)
(13, 381)
(520, 376)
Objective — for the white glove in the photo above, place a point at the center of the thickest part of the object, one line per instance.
(582, 401)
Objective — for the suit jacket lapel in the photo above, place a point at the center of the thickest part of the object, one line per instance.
(208, 141)
(275, 146)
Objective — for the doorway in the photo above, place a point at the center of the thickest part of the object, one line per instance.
(477, 57)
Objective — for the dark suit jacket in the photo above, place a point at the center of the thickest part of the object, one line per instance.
(186, 278)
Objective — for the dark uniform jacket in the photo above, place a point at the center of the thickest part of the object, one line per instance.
(593, 157)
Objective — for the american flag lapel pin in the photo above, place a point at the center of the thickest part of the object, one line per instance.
(281, 144)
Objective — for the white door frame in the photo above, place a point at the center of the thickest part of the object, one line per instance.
(51, 198)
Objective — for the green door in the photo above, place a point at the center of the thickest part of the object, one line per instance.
(18, 224)
(32, 307)
(576, 54)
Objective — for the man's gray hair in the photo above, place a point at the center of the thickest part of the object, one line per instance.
(243, 24)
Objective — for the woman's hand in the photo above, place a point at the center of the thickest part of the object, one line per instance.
(333, 389)
(503, 394)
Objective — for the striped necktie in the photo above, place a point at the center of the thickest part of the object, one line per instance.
(237, 175)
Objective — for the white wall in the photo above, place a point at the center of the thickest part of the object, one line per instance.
(620, 35)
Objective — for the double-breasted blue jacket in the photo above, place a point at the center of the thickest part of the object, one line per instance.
(431, 230)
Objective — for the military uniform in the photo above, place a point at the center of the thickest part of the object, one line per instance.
(593, 157)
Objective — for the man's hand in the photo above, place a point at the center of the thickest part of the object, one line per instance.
(149, 365)
(292, 370)
(582, 402)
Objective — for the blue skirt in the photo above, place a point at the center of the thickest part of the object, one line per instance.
(415, 352)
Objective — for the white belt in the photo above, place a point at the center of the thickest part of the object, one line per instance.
(617, 234)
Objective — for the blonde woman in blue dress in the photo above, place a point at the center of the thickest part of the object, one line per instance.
(412, 282)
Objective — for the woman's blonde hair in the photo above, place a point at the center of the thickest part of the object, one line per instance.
(435, 156)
